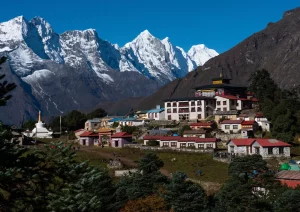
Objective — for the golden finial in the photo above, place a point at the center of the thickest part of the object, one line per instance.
(39, 116)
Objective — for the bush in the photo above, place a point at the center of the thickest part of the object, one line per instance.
(153, 143)
(191, 147)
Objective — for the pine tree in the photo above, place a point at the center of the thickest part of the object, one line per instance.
(5, 87)
(185, 196)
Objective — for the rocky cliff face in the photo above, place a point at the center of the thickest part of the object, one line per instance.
(78, 70)
(276, 49)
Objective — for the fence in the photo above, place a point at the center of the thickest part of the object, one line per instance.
(152, 148)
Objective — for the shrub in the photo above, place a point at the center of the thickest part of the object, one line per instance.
(153, 143)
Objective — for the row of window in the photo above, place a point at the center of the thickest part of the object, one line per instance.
(256, 150)
(185, 117)
(227, 127)
(152, 115)
(183, 145)
(184, 104)
(225, 103)
(184, 110)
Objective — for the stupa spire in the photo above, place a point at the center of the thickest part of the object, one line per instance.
(39, 117)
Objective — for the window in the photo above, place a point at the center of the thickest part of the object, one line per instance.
(199, 116)
(169, 104)
(224, 102)
(193, 109)
(281, 150)
(191, 144)
(224, 109)
(174, 104)
(199, 103)
(155, 115)
(165, 144)
(173, 144)
(183, 145)
(218, 102)
(232, 149)
(209, 146)
(201, 146)
(174, 110)
(199, 109)
(256, 150)
(184, 116)
(168, 110)
(235, 127)
(192, 103)
(169, 117)
(184, 104)
(227, 127)
(270, 151)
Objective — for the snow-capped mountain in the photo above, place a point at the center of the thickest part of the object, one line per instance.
(79, 62)
(200, 54)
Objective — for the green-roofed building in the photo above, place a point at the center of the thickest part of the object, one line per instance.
(285, 166)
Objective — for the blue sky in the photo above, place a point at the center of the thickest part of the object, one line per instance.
(218, 24)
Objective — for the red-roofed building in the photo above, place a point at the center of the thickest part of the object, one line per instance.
(231, 126)
(203, 125)
(120, 138)
(183, 142)
(249, 128)
(89, 138)
(263, 122)
(289, 178)
(78, 133)
(267, 148)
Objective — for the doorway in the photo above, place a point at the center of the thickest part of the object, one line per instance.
(116, 143)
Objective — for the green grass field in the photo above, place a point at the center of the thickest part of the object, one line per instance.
(212, 171)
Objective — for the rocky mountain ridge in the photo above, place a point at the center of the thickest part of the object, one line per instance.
(275, 48)
(78, 70)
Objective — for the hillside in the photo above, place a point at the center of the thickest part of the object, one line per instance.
(276, 49)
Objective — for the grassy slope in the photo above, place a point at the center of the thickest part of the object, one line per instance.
(213, 171)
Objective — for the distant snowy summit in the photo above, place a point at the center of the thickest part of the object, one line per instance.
(31, 42)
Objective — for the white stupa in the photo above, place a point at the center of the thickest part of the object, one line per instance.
(39, 131)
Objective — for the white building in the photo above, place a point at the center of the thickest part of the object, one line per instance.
(230, 102)
(156, 114)
(40, 131)
(267, 148)
(183, 142)
(193, 108)
(263, 122)
(231, 126)
(131, 122)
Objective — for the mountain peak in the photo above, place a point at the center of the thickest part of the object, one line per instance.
(199, 46)
(200, 53)
(145, 33)
(166, 39)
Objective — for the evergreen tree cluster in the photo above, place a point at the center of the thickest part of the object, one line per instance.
(281, 107)
(48, 178)
(74, 120)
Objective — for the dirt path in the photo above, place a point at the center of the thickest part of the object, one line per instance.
(126, 161)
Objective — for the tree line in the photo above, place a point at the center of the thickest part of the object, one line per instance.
(281, 107)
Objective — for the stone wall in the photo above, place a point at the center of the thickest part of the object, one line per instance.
(227, 137)
(137, 146)
(120, 173)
